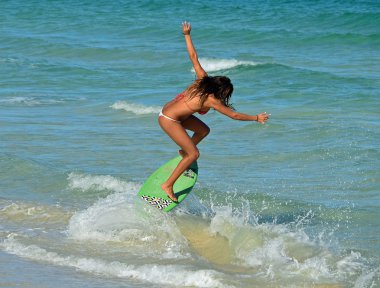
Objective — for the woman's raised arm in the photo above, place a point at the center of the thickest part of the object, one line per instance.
(199, 71)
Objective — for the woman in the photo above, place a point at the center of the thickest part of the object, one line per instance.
(177, 115)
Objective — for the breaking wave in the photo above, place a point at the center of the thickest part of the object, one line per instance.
(135, 108)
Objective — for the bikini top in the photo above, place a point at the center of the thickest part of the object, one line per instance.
(181, 96)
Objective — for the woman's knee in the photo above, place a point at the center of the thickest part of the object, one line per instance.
(193, 154)
(204, 131)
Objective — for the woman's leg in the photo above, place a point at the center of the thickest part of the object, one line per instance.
(179, 135)
(200, 129)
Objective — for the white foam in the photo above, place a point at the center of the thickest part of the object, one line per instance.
(277, 251)
(212, 65)
(135, 108)
(273, 251)
(121, 217)
(117, 218)
(257, 246)
(350, 264)
(177, 275)
(29, 101)
(367, 279)
(18, 211)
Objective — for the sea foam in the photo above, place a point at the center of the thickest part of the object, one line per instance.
(155, 273)
(121, 217)
(274, 251)
(86, 182)
(278, 250)
(32, 213)
(135, 108)
(29, 101)
(213, 65)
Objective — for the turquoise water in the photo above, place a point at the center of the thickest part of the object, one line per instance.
(293, 203)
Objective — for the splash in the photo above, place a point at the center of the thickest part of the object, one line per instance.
(260, 251)
(118, 218)
(226, 239)
(274, 251)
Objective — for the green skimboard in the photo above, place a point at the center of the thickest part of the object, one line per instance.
(151, 190)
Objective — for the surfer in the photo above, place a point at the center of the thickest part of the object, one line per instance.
(177, 116)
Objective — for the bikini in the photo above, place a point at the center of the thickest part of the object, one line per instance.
(177, 98)
(167, 117)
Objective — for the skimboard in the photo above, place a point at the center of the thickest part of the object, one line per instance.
(151, 190)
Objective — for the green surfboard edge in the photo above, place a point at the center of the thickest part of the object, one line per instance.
(151, 190)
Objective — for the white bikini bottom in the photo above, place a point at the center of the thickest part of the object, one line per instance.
(167, 117)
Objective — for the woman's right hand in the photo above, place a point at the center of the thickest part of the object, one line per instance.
(186, 28)
(262, 117)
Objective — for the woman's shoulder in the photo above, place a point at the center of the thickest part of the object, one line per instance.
(211, 100)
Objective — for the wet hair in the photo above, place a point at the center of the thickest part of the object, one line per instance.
(220, 86)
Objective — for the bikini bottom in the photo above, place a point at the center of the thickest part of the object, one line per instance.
(167, 117)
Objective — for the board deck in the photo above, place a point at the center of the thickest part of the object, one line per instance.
(152, 192)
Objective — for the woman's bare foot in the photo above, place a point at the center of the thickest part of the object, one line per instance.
(169, 191)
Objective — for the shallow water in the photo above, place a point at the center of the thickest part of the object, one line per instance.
(293, 203)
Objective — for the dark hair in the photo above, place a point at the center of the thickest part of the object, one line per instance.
(220, 86)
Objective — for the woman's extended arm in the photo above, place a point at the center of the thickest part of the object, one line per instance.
(199, 71)
(218, 106)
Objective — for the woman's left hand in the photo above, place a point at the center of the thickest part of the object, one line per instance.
(186, 28)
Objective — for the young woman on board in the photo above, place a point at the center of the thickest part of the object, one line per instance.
(176, 116)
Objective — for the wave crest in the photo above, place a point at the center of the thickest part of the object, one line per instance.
(213, 65)
(99, 182)
(135, 108)
(29, 101)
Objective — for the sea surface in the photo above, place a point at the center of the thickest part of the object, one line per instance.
(292, 203)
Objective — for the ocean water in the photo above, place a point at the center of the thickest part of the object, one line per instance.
(293, 203)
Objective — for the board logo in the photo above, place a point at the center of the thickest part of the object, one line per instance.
(189, 173)
(157, 201)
